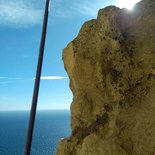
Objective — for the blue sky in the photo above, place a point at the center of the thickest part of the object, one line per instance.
(20, 31)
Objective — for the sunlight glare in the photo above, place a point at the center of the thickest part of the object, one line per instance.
(129, 4)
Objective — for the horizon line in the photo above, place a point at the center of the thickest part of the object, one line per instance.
(26, 110)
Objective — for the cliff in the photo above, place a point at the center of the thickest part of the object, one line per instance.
(111, 66)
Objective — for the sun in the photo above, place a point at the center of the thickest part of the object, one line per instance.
(129, 4)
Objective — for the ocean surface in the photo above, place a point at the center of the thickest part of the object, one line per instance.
(50, 127)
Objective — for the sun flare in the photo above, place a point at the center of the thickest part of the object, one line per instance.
(129, 4)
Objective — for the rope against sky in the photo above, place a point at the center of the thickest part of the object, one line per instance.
(37, 82)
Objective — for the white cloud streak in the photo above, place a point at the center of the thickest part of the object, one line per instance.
(1, 77)
(52, 77)
(42, 78)
(7, 80)
(19, 13)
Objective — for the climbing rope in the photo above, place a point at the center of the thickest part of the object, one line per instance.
(37, 82)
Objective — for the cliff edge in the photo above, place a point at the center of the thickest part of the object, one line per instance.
(111, 66)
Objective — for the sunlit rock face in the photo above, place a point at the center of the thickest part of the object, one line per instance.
(111, 65)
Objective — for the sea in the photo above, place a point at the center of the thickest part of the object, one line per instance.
(50, 128)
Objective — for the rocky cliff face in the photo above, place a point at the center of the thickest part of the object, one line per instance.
(111, 65)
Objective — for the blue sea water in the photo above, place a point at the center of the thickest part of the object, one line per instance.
(50, 127)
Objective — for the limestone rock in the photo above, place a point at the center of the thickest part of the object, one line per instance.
(111, 66)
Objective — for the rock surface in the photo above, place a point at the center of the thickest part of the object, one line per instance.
(111, 66)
